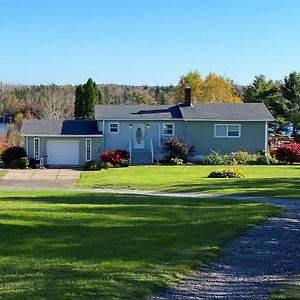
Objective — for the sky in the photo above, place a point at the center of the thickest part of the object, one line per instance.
(151, 42)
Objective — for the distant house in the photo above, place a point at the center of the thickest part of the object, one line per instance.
(140, 129)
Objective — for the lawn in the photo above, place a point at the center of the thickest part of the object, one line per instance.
(275, 181)
(72, 245)
(291, 292)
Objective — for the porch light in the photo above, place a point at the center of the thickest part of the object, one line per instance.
(148, 125)
(130, 125)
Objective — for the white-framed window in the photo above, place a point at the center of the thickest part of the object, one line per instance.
(88, 149)
(227, 130)
(168, 129)
(36, 148)
(113, 127)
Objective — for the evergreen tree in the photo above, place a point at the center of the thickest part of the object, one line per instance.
(87, 96)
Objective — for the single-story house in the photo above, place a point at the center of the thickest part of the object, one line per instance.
(139, 129)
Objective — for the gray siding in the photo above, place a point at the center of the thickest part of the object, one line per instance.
(121, 140)
(201, 135)
(96, 147)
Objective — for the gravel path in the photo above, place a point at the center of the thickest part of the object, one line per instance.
(253, 265)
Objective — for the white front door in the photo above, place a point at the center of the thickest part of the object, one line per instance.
(63, 152)
(139, 136)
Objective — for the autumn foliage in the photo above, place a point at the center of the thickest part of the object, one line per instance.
(288, 153)
(115, 157)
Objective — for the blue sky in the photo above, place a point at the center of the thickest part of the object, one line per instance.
(147, 41)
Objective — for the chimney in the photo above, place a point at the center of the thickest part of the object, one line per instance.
(188, 96)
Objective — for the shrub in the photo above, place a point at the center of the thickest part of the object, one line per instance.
(106, 165)
(215, 158)
(177, 147)
(92, 166)
(227, 173)
(289, 153)
(176, 161)
(19, 163)
(115, 157)
(13, 153)
(3, 144)
(240, 157)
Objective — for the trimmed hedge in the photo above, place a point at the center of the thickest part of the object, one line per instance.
(227, 173)
(20, 163)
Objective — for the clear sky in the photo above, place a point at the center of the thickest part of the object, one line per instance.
(146, 41)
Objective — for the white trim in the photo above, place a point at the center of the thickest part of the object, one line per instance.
(36, 155)
(103, 139)
(227, 136)
(266, 136)
(27, 145)
(63, 135)
(86, 148)
(184, 119)
(114, 123)
(173, 129)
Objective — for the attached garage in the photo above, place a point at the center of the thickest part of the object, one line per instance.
(62, 142)
(63, 152)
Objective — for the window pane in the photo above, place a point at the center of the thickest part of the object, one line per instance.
(233, 130)
(221, 130)
(113, 127)
(168, 129)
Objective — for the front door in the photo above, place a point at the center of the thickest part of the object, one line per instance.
(139, 136)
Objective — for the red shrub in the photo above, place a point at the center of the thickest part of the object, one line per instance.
(13, 153)
(289, 153)
(115, 157)
(3, 144)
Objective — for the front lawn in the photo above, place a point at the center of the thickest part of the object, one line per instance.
(72, 245)
(275, 181)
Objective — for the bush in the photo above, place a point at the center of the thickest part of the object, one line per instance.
(177, 147)
(289, 153)
(3, 144)
(92, 166)
(227, 173)
(240, 157)
(13, 153)
(215, 158)
(115, 157)
(105, 165)
(176, 161)
(20, 163)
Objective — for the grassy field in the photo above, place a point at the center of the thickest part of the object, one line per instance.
(72, 245)
(275, 181)
(291, 292)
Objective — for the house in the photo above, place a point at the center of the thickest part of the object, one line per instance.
(139, 129)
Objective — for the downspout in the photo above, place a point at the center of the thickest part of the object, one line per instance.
(266, 136)
(27, 146)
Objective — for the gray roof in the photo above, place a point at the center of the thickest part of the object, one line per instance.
(137, 112)
(60, 127)
(205, 112)
(226, 112)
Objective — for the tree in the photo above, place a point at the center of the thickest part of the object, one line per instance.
(268, 92)
(216, 88)
(86, 97)
(194, 81)
(291, 93)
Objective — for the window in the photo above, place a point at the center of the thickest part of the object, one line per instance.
(168, 129)
(88, 149)
(36, 148)
(113, 127)
(227, 130)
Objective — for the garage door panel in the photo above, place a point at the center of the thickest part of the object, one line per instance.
(63, 152)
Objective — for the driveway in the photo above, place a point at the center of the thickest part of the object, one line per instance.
(40, 178)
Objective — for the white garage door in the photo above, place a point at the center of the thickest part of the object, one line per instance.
(63, 152)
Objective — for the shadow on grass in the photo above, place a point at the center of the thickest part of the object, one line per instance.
(79, 245)
(273, 187)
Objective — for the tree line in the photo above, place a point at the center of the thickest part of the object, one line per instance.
(282, 97)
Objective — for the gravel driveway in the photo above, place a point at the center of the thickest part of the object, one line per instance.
(253, 265)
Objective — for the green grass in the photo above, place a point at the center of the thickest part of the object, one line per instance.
(72, 245)
(275, 181)
(291, 292)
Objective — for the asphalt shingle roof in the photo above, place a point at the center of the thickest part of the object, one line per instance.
(60, 127)
(205, 112)
(226, 112)
(137, 112)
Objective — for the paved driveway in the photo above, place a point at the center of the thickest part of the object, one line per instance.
(40, 178)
